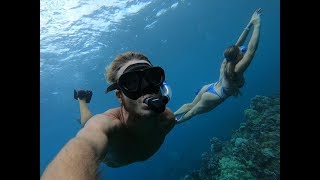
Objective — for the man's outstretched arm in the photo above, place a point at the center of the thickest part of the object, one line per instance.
(85, 113)
(75, 161)
(79, 159)
(84, 97)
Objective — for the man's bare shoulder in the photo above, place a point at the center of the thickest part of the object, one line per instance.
(111, 116)
(113, 112)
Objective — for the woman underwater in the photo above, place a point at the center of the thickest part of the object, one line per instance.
(236, 60)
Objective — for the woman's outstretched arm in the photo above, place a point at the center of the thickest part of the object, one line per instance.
(242, 65)
(244, 35)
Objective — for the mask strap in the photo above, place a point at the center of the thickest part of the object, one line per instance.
(112, 87)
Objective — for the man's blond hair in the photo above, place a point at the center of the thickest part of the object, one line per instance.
(119, 61)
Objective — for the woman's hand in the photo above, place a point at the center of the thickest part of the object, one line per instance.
(255, 19)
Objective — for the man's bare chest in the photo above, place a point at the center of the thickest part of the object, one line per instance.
(135, 148)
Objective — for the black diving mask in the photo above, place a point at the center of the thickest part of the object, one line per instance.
(139, 79)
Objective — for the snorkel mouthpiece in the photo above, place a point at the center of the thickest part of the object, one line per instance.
(159, 104)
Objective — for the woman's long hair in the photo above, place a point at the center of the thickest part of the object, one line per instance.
(231, 54)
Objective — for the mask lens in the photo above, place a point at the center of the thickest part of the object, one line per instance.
(136, 83)
(155, 76)
(129, 81)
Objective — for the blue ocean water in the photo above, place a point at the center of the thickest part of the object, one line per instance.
(186, 37)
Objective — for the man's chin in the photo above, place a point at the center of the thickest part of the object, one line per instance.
(148, 113)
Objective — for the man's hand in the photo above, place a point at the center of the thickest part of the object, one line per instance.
(82, 95)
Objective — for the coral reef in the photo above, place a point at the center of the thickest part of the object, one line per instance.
(253, 151)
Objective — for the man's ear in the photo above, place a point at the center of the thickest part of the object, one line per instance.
(119, 94)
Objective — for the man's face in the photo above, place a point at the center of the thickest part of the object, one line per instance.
(136, 107)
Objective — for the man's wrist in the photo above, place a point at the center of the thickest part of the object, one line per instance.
(82, 100)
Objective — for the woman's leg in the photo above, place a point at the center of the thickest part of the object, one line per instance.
(208, 102)
(186, 107)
